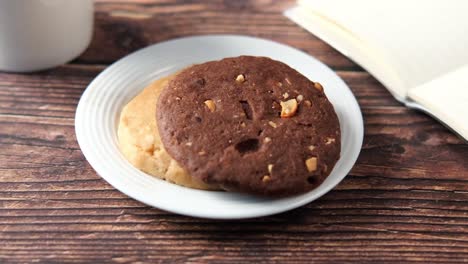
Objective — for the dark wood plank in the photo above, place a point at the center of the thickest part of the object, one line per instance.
(125, 26)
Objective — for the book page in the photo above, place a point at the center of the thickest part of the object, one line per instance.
(350, 45)
(446, 98)
(419, 40)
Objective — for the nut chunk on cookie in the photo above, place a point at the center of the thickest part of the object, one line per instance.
(211, 105)
(288, 108)
(254, 125)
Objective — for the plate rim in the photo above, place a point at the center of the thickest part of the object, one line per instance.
(127, 191)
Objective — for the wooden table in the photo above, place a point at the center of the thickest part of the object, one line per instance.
(406, 199)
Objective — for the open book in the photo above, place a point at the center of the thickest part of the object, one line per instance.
(418, 49)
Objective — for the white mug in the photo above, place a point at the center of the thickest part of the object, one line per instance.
(41, 34)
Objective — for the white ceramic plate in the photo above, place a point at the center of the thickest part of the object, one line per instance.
(99, 109)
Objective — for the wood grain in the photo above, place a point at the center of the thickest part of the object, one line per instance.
(125, 26)
(405, 200)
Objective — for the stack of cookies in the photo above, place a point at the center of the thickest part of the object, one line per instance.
(245, 124)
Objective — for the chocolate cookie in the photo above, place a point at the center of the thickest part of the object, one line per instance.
(249, 124)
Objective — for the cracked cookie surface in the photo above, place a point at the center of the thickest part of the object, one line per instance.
(249, 124)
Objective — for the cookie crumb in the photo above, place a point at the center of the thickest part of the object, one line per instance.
(211, 105)
(267, 139)
(311, 164)
(270, 168)
(240, 78)
(329, 141)
(325, 168)
(266, 178)
(280, 84)
(242, 124)
(311, 147)
(300, 98)
(188, 144)
(272, 124)
(287, 80)
(201, 153)
(288, 108)
(285, 95)
(318, 86)
(307, 102)
(178, 98)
